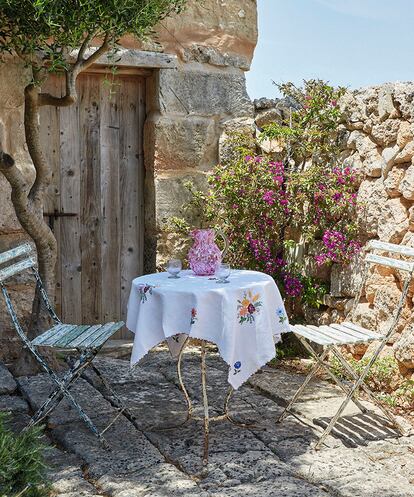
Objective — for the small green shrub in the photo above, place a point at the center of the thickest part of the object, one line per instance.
(22, 467)
(382, 378)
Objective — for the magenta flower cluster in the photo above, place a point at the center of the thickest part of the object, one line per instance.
(261, 203)
(337, 248)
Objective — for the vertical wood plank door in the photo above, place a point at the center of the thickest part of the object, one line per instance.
(95, 148)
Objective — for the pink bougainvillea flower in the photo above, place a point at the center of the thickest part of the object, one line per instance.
(268, 197)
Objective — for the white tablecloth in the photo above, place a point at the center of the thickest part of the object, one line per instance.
(244, 318)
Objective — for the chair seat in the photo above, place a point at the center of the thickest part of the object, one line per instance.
(73, 336)
(336, 334)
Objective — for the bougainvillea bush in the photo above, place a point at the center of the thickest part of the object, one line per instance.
(260, 201)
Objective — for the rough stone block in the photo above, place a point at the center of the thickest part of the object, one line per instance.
(373, 164)
(245, 128)
(393, 180)
(345, 280)
(389, 154)
(406, 187)
(386, 108)
(13, 403)
(7, 383)
(372, 197)
(386, 133)
(406, 154)
(393, 221)
(180, 143)
(171, 195)
(204, 93)
(404, 347)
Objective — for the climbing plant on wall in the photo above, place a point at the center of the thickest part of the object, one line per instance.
(266, 202)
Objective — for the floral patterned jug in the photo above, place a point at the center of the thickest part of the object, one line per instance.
(204, 256)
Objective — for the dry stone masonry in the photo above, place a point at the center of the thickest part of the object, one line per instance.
(378, 134)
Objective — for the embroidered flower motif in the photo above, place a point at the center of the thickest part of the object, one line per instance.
(237, 366)
(144, 290)
(193, 316)
(282, 315)
(248, 307)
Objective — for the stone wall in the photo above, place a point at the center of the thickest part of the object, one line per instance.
(381, 145)
(379, 131)
(214, 41)
(187, 107)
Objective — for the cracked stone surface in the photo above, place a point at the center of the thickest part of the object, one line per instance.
(363, 457)
(7, 383)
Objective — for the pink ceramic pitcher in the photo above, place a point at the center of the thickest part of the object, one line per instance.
(204, 256)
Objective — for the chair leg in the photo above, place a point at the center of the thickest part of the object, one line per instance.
(119, 404)
(368, 391)
(298, 393)
(62, 391)
(358, 384)
(56, 397)
(333, 377)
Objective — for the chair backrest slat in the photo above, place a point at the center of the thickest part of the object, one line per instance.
(391, 247)
(389, 262)
(16, 268)
(11, 254)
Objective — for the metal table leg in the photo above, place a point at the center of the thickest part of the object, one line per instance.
(205, 402)
(206, 418)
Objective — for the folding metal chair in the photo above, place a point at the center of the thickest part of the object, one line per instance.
(331, 337)
(87, 340)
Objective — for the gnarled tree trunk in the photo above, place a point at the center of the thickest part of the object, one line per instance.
(28, 199)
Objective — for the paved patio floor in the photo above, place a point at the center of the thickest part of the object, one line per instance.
(363, 458)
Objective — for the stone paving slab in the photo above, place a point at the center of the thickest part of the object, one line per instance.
(36, 390)
(13, 403)
(129, 449)
(265, 459)
(65, 473)
(281, 385)
(160, 480)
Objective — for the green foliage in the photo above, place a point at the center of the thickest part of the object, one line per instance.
(43, 31)
(382, 378)
(313, 291)
(258, 201)
(22, 468)
(312, 130)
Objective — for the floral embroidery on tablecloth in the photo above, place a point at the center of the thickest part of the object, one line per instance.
(193, 316)
(248, 306)
(281, 314)
(237, 367)
(144, 290)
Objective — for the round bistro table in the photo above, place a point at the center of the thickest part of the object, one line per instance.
(244, 318)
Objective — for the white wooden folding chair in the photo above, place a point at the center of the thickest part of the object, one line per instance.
(331, 338)
(87, 340)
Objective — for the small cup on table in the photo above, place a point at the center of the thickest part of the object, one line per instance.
(222, 273)
(174, 266)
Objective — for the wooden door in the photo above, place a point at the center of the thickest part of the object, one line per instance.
(96, 150)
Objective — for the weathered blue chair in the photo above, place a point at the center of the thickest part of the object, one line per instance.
(87, 340)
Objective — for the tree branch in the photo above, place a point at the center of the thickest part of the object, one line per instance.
(83, 48)
(95, 55)
(14, 177)
(31, 129)
(80, 65)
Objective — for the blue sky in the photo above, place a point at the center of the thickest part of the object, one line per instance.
(352, 43)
